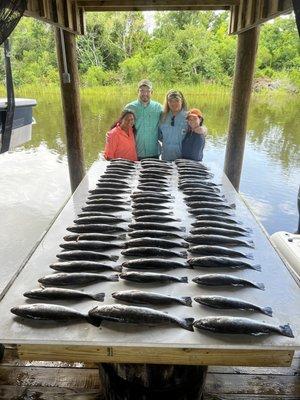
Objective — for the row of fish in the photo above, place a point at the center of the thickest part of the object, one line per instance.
(153, 235)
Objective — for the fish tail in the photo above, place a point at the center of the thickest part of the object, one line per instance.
(121, 237)
(183, 254)
(93, 320)
(117, 268)
(257, 267)
(187, 323)
(267, 310)
(186, 300)
(114, 258)
(260, 286)
(250, 256)
(184, 279)
(98, 296)
(113, 278)
(182, 228)
(250, 243)
(285, 330)
(184, 244)
(232, 205)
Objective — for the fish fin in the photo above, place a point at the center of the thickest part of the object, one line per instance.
(184, 279)
(98, 296)
(257, 267)
(260, 286)
(250, 256)
(114, 258)
(183, 254)
(286, 331)
(187, 301)
(182, 228)
(267, 310)
(93, 320)
(187, 323)
(113, 278)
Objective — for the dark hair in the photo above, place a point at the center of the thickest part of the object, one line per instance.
(121, 117)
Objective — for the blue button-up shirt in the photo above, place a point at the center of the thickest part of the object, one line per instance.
(147, 119)
(172, 136)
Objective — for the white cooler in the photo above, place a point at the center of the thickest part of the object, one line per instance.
(22, 123)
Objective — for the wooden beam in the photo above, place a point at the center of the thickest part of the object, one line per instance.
(251, 13)
(153, 3)
(71, 104)
(241, 93)
(296, 6)
(157, 8)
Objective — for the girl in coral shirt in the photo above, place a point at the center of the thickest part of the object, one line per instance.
(120, 141)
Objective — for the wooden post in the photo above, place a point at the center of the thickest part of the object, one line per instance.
(69, 81)
(151, 381)
(241, 93)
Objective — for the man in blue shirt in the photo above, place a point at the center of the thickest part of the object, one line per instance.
(147, 116)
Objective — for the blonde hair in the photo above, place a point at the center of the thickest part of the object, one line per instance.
(175, 94)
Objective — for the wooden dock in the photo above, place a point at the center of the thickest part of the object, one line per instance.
(40, 380)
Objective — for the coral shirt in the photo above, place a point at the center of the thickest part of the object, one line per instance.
(120, 144)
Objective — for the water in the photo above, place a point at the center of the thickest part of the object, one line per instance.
(35, 182)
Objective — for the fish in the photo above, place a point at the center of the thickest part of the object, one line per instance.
(217, 231)
(115, 175)
(104, 207)
(226, 280)
(94, 236)
(122, 166)
(142, 206)
(94, 245)
(222, 302)
(152, 187)
(155, 226)
(151, 277)
(152, 252)
(218, 239)
(53, 293)
(153, 263)
(206, 250)
(95, 228)
(105, 196)
(51, 312)
(218, 218)
(205, 197)
(144, 212)
(157, 218)
(201, 190)
(144, 183)
(123, 160)
(147, 165)
(138, 315)
(193, 184)
(106, 201)
(142, 297)
(156, 170)
(75, 278)
(85, 255)
(214, 211)
(238, 325)
(83, 266)
(113, 180)
(108, 191)
(112, 185)
(98, 220)
(153, 200)
(219, 224)
(154, 175)
(194, 173)
(220, 262)
(162, 243)
(153, 234)
(115, 169)
(207, 204)
(150, 181)
(145, 193)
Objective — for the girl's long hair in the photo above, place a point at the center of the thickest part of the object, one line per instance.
(121, 117)
(166, 109)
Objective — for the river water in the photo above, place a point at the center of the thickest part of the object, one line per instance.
(35, 182)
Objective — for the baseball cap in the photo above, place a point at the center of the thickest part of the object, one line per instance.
(145, 82)
(174, 94)
(194, 112)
